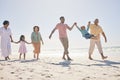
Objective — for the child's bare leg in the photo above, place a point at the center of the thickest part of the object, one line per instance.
(20, 56)
(8, 57)
(24, 56)
(37, 56)
(34, 55)
(5, 58)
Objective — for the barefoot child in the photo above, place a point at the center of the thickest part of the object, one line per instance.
(22, 48)
(85, 33)
(36, 41)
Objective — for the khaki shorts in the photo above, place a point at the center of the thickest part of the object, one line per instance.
(65, 44)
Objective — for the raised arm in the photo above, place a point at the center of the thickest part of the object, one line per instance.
(89, 23)
(77, 27)
(104, 36)
(52, 33)
(70, 28)
(88, 26)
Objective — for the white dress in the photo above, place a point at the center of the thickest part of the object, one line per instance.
(5, 41)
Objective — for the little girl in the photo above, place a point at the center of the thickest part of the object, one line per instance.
(22, 48)
(36, 39)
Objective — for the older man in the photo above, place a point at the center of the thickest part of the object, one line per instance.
(96, 30)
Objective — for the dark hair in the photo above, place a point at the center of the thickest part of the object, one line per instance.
(61, 17)
(35, 27)
(5, 22)
(21, 37)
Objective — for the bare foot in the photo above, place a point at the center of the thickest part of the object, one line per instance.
(69, 59)
(8, 58)
(90, 58)
(38, 58)
(34, 56)
(64, 58)
(105, 57)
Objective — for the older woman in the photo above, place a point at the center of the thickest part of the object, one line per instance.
(6, 39)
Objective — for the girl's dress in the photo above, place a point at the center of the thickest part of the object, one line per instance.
(22, 48)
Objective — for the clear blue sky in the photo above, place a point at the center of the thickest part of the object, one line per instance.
(24, 14)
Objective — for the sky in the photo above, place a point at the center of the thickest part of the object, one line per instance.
(25, 14)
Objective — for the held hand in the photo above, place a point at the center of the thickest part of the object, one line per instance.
(12, 41)
(105, 40)
(75, 24)
(30, 43)
(50, 37)
(89, 23)
(42, 43)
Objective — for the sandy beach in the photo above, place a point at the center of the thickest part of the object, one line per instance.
(52, 67)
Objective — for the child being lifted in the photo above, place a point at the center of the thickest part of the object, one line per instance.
(85, 32)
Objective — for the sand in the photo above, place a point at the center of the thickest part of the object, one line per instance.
(50, 67)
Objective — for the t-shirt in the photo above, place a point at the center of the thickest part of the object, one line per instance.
(62, 30)
(96, 30)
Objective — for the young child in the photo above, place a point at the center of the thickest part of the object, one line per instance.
(84, 32)
(22, 48)
(36, 39)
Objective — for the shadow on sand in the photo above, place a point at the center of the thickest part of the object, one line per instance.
(106, 63)
(102, 63)
(65, 63)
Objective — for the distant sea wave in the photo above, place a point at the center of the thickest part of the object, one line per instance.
(112, 49)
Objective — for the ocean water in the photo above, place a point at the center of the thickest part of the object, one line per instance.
(72, 51)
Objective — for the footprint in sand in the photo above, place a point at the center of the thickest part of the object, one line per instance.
(2, 64)
(86, 78)
(29, 78)
(32, 70)
(46, 70)
(8, 64)
(88, 65)
(42, 74)
(1, 78)
(48, 76)
(118, 75)
(104, 74)
(16, 75)
(1, 68)
(20, 78)
(12, 72)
